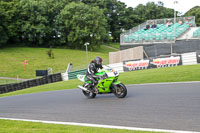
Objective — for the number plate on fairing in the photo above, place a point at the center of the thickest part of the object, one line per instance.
(81, 77)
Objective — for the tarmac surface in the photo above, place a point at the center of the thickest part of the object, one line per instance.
(173, 106)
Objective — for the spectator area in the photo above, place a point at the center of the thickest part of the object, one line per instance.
(162, 32)
(196, 33)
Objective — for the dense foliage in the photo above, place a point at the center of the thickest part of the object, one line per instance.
(72, 22)
(195, 11)
(9, 22)
(80, 23)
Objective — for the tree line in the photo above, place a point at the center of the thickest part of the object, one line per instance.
(71, 23)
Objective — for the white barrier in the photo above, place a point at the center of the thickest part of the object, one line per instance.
(189, 58)
(116, 66)
(64, 76)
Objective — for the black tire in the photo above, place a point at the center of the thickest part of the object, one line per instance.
(89, 95)
(120, 90)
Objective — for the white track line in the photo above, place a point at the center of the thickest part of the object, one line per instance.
(101, 126)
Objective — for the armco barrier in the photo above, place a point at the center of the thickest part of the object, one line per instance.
(30, 83)
(73, 74)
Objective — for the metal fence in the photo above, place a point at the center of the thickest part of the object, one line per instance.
(73, 74)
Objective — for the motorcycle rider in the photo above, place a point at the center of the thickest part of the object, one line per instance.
(93, 68)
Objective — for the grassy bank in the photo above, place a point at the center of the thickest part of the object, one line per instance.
(8, 126)
(7, 81)
(11, 60)
(171, 74)
(114, 45)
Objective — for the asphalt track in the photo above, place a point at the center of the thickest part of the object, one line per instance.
(162, 106)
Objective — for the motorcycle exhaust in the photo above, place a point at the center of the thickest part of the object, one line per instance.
(82, 88)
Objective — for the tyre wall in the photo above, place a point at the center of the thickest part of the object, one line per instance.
(30, 83)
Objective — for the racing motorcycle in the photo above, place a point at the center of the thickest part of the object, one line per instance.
(107, 83)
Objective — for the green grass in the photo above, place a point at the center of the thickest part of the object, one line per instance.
(11, 60)
(9, 126)
(172, 74)
(7, 81)
(114, 45)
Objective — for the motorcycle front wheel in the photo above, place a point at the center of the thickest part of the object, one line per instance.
(120, 90)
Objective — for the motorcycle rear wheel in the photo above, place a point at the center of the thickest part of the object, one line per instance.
(89, 95)
(120, 90)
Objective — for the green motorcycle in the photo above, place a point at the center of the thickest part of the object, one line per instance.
(107, 83)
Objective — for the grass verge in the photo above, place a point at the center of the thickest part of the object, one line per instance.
(7, 81)
(170, 74)
(159, 75)
(12, 59)
(114, 45)
(9, 126)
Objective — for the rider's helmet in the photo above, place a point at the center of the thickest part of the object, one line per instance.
(98, 61)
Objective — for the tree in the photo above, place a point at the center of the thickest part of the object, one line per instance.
(38, 17)
(80, 23)
(129, 19)
(115, 16)
(59, 22)
(195, 11)
(153, 11)
(115, 12)
(120, 18)
(35, 24)
(9, 21)
(3, 35)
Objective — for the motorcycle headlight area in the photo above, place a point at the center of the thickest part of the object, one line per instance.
(116, 73)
